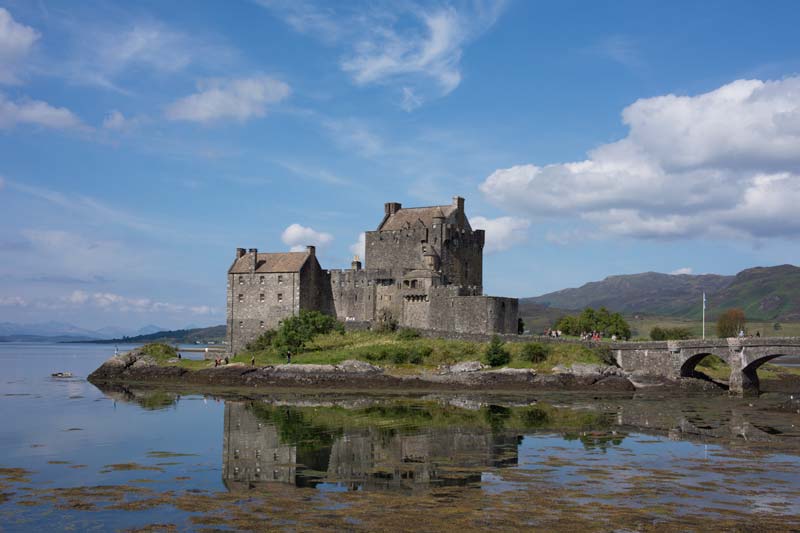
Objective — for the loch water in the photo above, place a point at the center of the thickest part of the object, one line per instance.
(77, 458)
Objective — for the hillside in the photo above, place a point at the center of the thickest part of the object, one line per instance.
(765, 293)
(213, 334)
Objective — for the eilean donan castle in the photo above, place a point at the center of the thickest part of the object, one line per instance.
(423, 265)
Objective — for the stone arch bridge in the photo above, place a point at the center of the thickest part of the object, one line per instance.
(675, 359)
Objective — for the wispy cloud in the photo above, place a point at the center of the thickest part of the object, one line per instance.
(16, 42)
(237, 99)
(354, 135)
(619, 48)
(415, 47)
(103, 52)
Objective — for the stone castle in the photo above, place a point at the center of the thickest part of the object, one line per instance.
(423, 266)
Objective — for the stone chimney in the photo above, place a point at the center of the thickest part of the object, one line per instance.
(311, 250)
(239, 253)
(391, 208)
(458, 202)
(254, 263)
(356, 264)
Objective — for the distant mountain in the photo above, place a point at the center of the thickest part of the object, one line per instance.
(213, 334)
(44, 338)
(765, 293)
(59, 330)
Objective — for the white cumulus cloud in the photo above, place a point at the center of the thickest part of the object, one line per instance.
(723, 163)
(501, 233)
(238, 99)
(359, 247)
(37, 113)
(16, 41)
(681, 271)
(297, 237)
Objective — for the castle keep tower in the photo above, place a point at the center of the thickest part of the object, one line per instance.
(423, 265)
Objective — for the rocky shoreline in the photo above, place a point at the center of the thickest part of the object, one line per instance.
(136, 367)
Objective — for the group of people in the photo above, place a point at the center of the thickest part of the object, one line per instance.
(555, 333)
(594, 336)
(221, 360)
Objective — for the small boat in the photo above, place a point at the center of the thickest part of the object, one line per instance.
(61, 374)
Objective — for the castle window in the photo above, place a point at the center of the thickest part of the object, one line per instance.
(261, 324)
(241, 325)
(261, 297)
(405, 283)
(241, 298)
(356, 299)
(261, 279)
(280, 297)
(280, 278)
(241, 280)
(413, 284)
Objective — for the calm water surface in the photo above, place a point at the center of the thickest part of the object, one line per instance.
(78, 458)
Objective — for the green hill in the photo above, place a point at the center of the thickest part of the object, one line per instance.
(213, 334)
(765, 293)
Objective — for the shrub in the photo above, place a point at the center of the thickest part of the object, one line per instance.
(670, 334)
(534, 352)
(296, 331)
(419, 353)
(262, 342)
(496, 354)
(407, 334)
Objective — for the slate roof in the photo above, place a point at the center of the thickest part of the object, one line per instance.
(269, 263)
(408, 216)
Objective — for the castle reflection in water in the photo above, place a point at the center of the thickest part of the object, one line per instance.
(258, 451)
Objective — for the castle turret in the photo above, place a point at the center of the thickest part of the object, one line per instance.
(356, 264)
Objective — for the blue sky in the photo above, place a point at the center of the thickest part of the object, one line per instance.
(142, 142)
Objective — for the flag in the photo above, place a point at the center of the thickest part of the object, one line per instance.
(704, 301)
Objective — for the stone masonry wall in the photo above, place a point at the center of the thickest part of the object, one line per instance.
(258, 302)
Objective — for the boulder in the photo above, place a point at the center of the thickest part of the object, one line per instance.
(459, 368)
(358, 367)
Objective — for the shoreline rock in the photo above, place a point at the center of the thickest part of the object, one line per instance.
(134, 367)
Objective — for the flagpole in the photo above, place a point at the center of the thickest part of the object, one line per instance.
(704, 315)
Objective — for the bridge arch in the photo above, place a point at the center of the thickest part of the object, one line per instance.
(754, 358)
(692, 359)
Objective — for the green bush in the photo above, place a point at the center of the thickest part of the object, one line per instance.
(407, 334)
(295, 331)
(262, 342)
(496, 354)
(534, 352)
(670, 334)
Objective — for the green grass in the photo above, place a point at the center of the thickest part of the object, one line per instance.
(396, 352)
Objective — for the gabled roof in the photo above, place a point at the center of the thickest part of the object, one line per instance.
(270, 263)
(408, 216)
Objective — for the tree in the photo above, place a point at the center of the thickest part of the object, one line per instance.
(296, 331)
(590, 320)
(730, 323)
(496, 353)
(777, 326)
